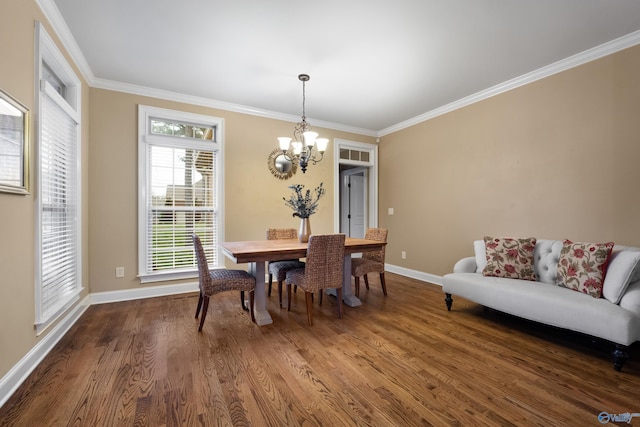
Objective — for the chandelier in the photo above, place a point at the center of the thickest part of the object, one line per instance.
(306, 146)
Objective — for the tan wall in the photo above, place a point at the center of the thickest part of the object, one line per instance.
(17, 214)
(554, 159)
(253, 197)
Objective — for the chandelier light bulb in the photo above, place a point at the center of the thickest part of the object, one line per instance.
(284, 142)
(322, 144)
(310, 138)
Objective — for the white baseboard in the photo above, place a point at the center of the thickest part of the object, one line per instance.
(144, 292)
(414, 274)
(21, 370)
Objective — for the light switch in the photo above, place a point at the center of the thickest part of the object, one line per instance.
(390, 211)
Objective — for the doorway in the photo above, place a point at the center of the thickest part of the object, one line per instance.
(353, 200)
(355, 187)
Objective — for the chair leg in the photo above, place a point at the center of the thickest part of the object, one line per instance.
(244, 307)
(366, 281)
(199, 305)
(309, 299)
(288, 297)
(357, 286)
(384, 285)
(251, 300)
(270, 282)
(320, 297)
(339, 295)
(204, 312)
(280, 292)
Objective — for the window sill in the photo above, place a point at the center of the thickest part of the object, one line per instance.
(167, 276)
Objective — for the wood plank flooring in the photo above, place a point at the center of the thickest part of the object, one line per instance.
(402, 360)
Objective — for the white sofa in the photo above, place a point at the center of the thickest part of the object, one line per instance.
(614, 317)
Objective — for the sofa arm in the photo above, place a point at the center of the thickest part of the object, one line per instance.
(631, 298)
(465, 265)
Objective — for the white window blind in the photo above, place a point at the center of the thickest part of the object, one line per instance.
(59, 200)
(180, 190)
(182, 202)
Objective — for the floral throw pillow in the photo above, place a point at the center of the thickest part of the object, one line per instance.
(511, 258)
(582, 266)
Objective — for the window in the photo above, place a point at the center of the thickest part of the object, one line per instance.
(356, 155)
(58, 214)
(180, 191)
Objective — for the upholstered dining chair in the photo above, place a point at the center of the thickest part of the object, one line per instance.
(323, 269)
(371, 262)
(220, 280)
(279, 268)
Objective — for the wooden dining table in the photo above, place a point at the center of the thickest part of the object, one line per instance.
(257, 252)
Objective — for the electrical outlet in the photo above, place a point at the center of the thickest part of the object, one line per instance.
(403, 254)
(390, 211)
(119, 272)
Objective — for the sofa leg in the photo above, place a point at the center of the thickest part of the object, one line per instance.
(620, 356)
(449, 301)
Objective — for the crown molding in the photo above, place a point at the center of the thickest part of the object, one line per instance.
(221, 105)
(581, 58)
(52, 13)
(60, 27)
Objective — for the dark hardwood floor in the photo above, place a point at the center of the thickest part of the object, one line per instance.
(402, 360)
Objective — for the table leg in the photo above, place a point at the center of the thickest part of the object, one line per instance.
(347, 292)
(260, 302)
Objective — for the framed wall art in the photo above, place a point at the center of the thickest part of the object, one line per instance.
(14, 145)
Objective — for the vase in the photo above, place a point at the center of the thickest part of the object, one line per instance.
(305, 230)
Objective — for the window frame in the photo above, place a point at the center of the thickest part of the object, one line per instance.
(145, 137)
(46, 52)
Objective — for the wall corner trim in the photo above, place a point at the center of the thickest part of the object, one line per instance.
(573, 61)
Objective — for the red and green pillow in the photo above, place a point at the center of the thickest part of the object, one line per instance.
(582, 266)
(509, 257)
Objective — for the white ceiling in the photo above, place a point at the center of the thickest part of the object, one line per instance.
(373, 63)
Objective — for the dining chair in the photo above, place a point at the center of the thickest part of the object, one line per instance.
(371, 262)
(220, 280)
(280, 268)
(323, 269)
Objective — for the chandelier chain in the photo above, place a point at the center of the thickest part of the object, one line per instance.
(304, 98)
(302, 126)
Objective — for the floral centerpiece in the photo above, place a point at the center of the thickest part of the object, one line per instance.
(304, 204)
